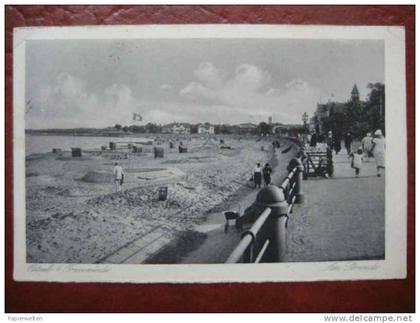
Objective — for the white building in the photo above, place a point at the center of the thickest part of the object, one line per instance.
(202, 129)
(180, 129)
(176, 128)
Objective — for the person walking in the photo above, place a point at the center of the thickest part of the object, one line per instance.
(118, 176)
(330, 140)
(378, 151)
(267, 170)
(367, 145)
(348, 139)
(337, 142)
(257, 175)
(314, 139)
(308, 139)
(357, 159)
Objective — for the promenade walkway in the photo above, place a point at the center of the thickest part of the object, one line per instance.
(219, 245)
(342, 218)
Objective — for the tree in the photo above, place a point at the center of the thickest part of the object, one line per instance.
(375, 106)
(226, 129)
(263, 128)
(153, 128)
(118, 126)
(125, 129)
(137, 129)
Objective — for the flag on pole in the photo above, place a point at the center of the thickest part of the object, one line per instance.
(137, 117)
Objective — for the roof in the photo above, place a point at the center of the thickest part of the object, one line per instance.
(355, 90)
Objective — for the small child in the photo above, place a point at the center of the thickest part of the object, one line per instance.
(356, 162)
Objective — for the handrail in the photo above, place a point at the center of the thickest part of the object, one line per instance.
(288, 178)
(248, 238)
(291, 187)
(240, 250)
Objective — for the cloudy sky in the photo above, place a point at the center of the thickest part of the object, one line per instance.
(98, 83)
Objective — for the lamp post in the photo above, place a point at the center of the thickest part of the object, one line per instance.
(305, 119)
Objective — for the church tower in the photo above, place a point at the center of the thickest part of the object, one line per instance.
(355, 94)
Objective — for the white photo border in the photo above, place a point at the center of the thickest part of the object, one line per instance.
(393, 267)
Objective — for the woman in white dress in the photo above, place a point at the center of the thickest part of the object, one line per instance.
(378, 151)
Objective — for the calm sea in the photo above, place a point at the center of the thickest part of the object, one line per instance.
(43, 144)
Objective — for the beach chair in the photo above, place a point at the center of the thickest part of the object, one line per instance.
(319, 163)
(233, 216)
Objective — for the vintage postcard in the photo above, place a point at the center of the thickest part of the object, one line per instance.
(209, 153)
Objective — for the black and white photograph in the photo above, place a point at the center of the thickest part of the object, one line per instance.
(221, 152)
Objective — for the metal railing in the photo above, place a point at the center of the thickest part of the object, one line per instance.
(265, 241)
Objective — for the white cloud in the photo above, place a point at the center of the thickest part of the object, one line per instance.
(210, 76)
(297, 85)
(195, 90)
(166, 87)
(249, 78)
(118, 97)
(273, 92)
(212, 96)
(65, 97)
(251, 89)
(68, 103)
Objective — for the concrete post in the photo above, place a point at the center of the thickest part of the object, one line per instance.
(273, 198)
(300, 197)
(278, 219)
(298, 177)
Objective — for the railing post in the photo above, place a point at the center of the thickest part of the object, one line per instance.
(278, 219)
(247, 258)
(273, 197)
(300, 197)
(297, 178)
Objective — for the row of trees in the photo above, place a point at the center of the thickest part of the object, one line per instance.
(365, 116)
(262, 128)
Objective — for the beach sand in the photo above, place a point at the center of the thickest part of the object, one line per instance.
(73, 214)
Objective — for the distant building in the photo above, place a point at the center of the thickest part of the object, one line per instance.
(323, 113)
(180, 129)
(270, 120)
(205, 129)
(176, 128)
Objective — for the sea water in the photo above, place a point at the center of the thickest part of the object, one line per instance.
(42, 144)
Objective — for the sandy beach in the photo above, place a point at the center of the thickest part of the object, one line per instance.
(73, 214)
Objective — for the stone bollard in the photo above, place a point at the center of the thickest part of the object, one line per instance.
(273, 197)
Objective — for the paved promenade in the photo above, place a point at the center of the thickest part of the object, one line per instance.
(342, 218)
